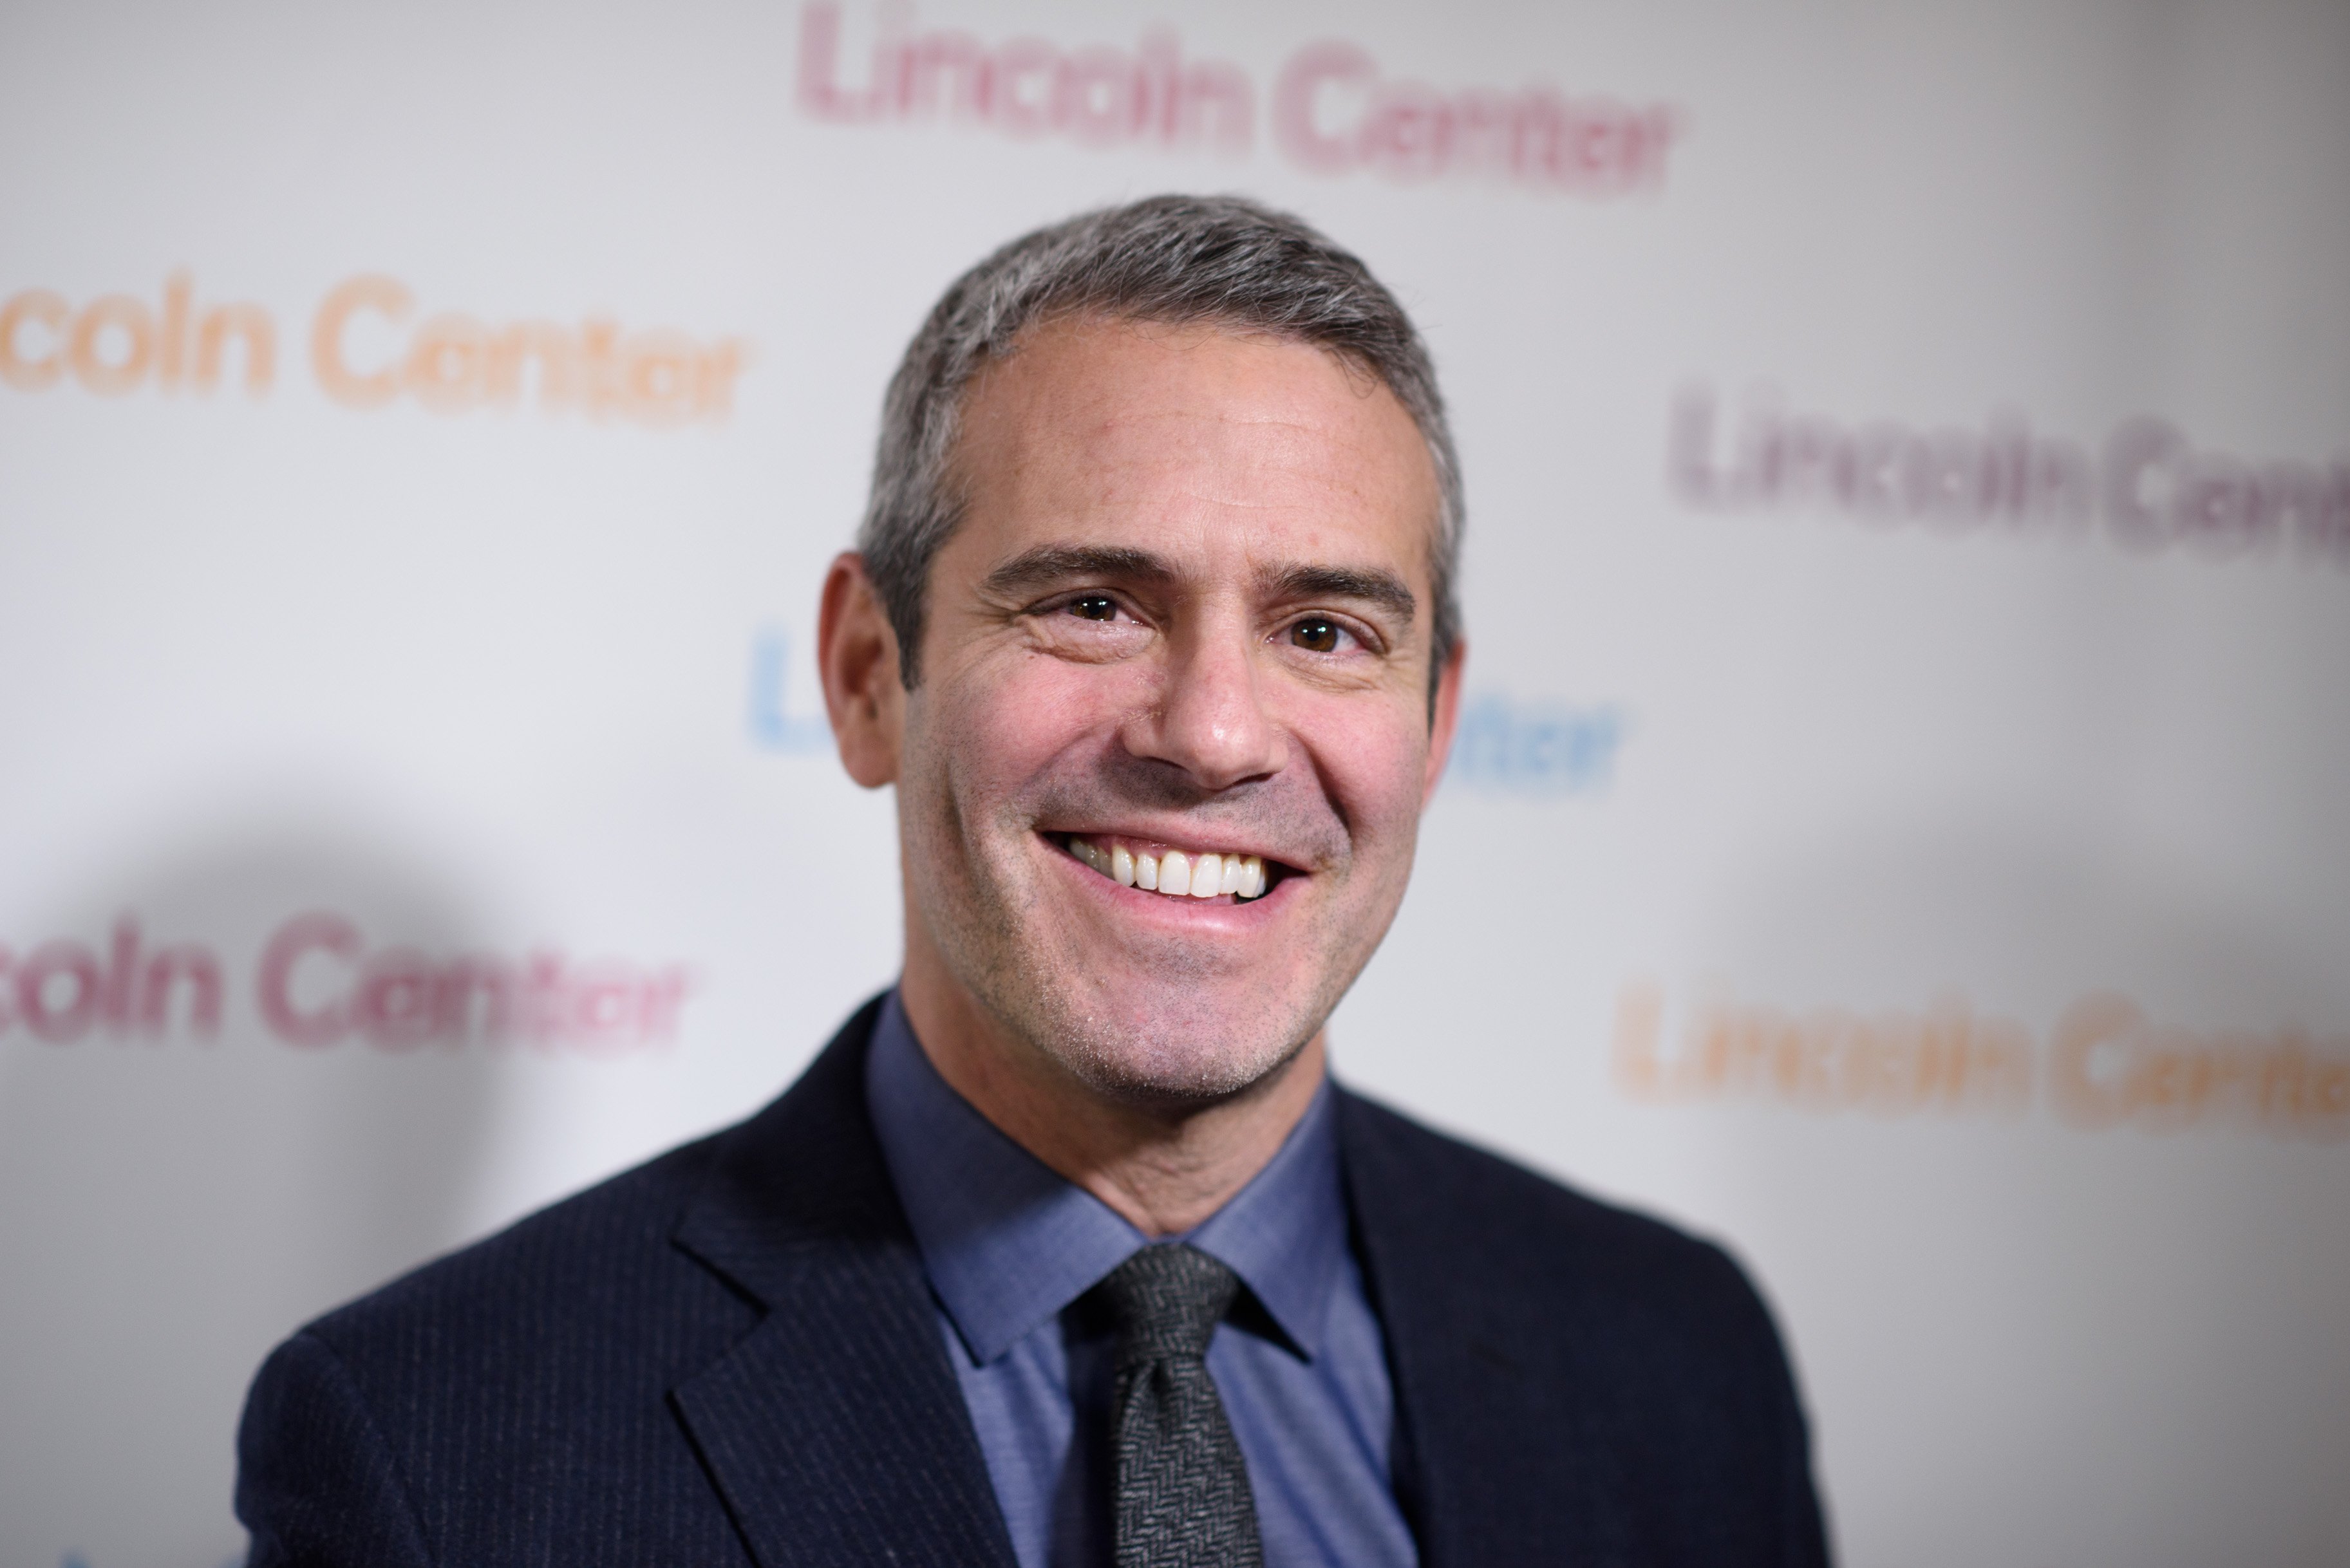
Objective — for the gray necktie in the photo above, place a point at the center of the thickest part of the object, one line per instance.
(1183, 1496)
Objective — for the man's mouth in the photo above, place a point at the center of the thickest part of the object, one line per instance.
(1175, 873)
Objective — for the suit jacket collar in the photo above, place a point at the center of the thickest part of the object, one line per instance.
(834, 1429)
(1479, 1445)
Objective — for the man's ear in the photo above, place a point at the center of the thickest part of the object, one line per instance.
(856, 654)
(1445, 718)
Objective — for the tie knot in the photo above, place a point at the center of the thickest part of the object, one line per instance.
(1167, 1302)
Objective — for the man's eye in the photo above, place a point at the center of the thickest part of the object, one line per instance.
(1095, 607)
(1317, 635)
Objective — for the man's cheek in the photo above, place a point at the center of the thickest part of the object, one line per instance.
(1030, 708)
(1070, 696)
(1376, 770)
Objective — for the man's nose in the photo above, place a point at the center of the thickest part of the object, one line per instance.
(1211, 719)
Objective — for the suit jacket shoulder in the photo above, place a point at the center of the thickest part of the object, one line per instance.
(1575, 1382)
(398, 1429)
(726, 1355)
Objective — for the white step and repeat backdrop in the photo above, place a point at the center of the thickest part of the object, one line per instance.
(1902, 823)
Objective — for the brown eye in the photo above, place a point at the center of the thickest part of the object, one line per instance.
(1095, 607)
(1316, 634)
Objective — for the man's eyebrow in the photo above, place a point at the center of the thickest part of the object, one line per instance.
(1050, 564)
(1370, 585)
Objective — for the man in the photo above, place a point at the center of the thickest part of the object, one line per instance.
(1067, 1250)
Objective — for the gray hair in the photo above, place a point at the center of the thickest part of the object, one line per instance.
(1170, 260)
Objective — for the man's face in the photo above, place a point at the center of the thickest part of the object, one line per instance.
(1186, 615)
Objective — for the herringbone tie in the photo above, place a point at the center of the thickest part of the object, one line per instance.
(1183, 1498)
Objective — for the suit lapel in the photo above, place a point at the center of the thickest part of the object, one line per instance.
(834, 1429)
(1496, 1459)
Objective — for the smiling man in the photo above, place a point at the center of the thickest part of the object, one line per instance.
(1068, 1251)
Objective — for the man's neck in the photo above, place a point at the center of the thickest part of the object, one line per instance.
(1163, 1169)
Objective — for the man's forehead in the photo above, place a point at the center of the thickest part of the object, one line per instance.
(1207, 441)
(1155, 381)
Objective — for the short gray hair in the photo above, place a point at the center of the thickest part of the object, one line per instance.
(1170, 260)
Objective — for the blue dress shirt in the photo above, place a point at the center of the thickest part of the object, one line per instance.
(1010, 1247)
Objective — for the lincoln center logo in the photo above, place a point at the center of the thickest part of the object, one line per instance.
(1334, 108)
(372, 343)
(1510, 746)
(2105, 1064)
(2149, 489)
(320, 981)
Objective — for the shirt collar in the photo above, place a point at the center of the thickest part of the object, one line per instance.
(1008, 1244)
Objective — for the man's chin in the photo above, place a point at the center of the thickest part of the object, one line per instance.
(1162, 1068)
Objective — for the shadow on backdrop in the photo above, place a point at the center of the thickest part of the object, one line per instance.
(180, 1187)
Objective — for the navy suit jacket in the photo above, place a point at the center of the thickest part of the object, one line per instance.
(729, 1356)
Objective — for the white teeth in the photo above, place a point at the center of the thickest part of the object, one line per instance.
(1208, 877)
(1176, 873)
